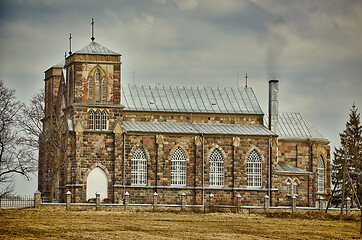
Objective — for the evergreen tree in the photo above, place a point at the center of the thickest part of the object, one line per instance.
(351, 151)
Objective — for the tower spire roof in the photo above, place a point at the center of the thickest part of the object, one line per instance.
(96, 48)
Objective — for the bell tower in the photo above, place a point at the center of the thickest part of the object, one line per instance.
(93, 75)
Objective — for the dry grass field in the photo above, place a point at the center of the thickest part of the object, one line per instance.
(56, 223)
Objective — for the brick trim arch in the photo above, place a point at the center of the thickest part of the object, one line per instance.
(252, 149)
(94, 69)
(216, 146)
(134, 149)
(101, 167)
(183, 149)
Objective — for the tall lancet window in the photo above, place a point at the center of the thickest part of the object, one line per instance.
(104, 90)
(178, 168)
(320, 173)
(91, 120)
(98, 87)
(91, 90)
(254, 173)
(98, 120)
(216, 168)
(295, 187)
(139, 167)
(104, 120)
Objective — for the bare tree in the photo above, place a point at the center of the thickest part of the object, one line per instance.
(44, 133)
(13, 157)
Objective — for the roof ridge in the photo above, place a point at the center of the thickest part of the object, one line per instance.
(190, 86)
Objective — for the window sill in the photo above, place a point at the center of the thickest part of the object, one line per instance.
(252, 187)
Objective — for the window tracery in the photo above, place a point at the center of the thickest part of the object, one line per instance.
(320, 173)
(216, 168)
(178, 167)
(97, 88)
(254, 169)
(139, 167)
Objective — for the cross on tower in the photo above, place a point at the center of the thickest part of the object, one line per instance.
(70, 43)
(92, 23)
(246, 80)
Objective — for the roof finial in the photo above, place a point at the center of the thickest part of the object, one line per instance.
(70, 43)
(246, 80)
(92, 38)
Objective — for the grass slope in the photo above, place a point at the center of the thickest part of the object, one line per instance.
(56, 223)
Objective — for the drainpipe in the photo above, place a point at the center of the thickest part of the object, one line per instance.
(233, 170)
(310, 167)
(124, 163)
(203, 171)
(269, 169)
(157, 155)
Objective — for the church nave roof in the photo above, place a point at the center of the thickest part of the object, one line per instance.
(189, 99)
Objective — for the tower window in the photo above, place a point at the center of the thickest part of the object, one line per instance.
(91, 90)
(98, 120)
(91, 120)
(104, 120)
(104, 90)
(97, 88)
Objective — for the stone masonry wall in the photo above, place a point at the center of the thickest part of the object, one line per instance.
(297, 153)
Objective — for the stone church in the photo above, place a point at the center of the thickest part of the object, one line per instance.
(142, 139)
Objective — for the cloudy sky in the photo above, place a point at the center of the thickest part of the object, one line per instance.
(313, 47)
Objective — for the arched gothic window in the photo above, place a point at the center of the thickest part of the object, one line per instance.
(104, 90)
(98, 87)
(104, 120)
(178, 167)
(216, 168)
(289, 187)
(320, 172)
(254, 169)
(295, 187)
(91, 120)
(98, 120)
(139, 167)
(91, 90)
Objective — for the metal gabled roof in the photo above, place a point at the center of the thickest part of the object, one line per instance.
(295, 126)
(189, 99)
(285, 168)
(60, 64)
(196, 128)
(96, 48)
